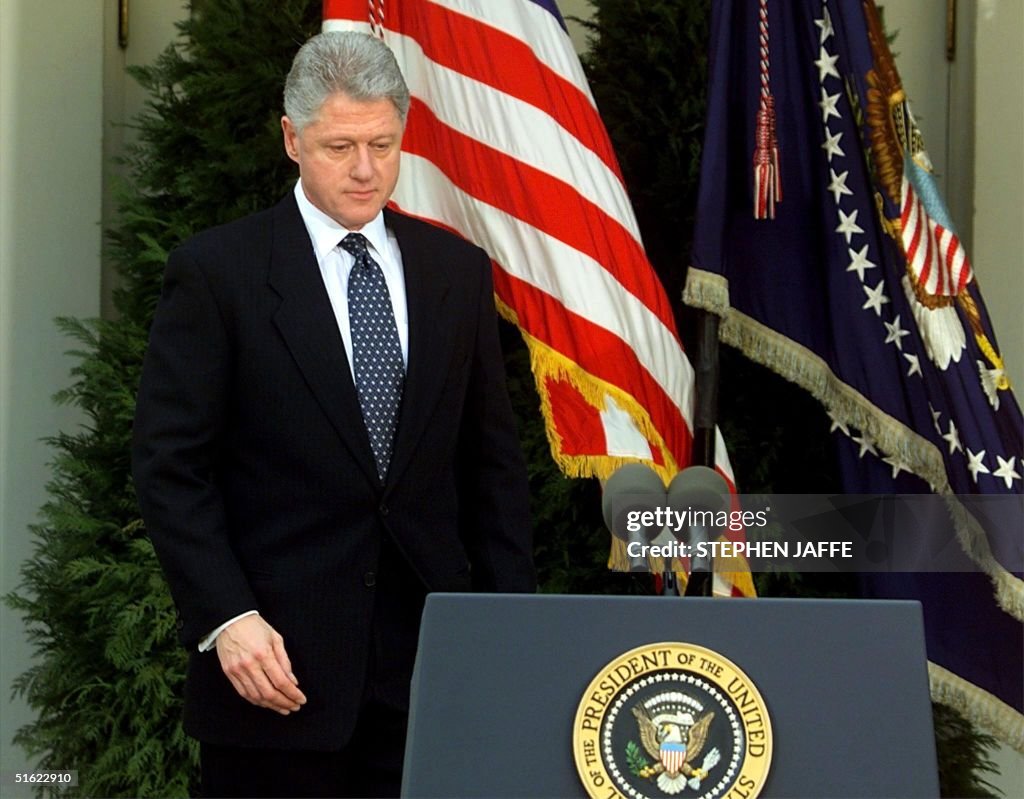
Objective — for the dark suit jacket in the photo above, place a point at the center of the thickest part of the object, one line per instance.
(255, 475)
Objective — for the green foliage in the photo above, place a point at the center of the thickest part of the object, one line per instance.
(108, 672)
(963, 756)
(635, 759)
(108, 664)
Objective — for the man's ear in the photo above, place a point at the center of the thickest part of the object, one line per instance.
(291, 138)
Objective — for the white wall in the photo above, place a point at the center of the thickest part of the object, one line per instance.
(920, 52)
(998, 253)
(578, 33)
(64, 98)
(51, 71)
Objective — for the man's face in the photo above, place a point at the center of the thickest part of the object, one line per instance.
(348, 157)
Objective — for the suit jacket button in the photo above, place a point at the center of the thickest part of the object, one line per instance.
(370, 579)
(383, 509)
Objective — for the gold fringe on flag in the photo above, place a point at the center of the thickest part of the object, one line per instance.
(547, 363)
(800, 365)
(980, 707)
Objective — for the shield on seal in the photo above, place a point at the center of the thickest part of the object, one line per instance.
(672, 755)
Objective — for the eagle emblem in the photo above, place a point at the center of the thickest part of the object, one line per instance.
(690, 740)
(938, 272)
(674, 731)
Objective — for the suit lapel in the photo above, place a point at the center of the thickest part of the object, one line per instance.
(306, 321)
(430, 346)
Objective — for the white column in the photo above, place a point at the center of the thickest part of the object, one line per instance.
(51, 78)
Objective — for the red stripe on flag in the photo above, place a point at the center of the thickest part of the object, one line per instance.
(914, 229)
(599, 352)
(950, 255)
(931, 256)
(543, 201)
(908, 204)
(965, 269)
(347, 9)
(957, 276)
(577, 422)
(915, 242)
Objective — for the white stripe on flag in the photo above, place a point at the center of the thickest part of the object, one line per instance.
(330, 25)
(621, 437)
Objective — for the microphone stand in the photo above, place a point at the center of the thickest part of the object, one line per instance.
(706, 372)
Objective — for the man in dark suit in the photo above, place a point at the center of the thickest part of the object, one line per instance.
(323, 435)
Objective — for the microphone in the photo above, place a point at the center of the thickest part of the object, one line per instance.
(633, 489)
(702, 491)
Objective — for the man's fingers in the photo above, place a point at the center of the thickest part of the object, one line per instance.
(252, 685)
(244, 685)
(270, 697)
(281, 681)
(283, 659)
(240, 689)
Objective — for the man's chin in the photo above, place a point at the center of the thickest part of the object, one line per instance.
(355, 215)
(352, 221)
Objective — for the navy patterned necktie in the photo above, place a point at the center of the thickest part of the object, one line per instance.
(376, 350)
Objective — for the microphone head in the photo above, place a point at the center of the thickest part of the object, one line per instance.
(633, 489)
(699, 488)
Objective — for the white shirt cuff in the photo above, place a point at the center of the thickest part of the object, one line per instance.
(206, 644)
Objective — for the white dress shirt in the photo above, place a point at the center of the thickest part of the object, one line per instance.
(335, 267)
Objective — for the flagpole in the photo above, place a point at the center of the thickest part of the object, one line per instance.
(706, 368)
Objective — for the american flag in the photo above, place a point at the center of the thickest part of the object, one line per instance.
(860, 291)
(505, 146)
(934, 252)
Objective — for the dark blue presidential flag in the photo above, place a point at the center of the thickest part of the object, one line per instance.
(822, 242)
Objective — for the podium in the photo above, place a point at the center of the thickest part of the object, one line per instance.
(499, 679)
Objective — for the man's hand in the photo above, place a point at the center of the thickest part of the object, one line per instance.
(252, 656)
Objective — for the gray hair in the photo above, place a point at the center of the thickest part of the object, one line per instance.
(357, 65)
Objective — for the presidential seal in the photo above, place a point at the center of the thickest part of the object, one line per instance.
(672, 720)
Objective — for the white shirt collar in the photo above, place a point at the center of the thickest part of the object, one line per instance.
(325, 232)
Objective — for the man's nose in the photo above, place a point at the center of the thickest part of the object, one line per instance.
(362, 167)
